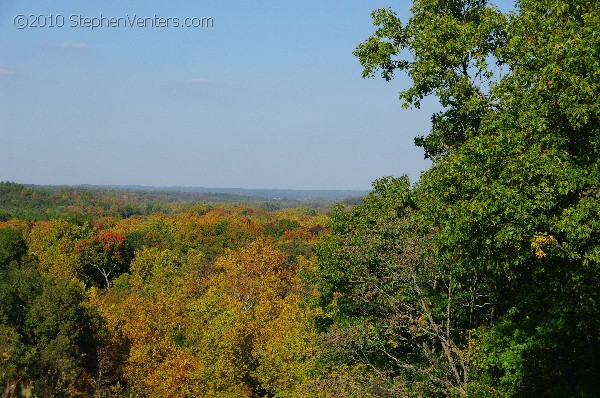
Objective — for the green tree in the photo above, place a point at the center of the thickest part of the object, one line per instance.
(449, 48)
(389, 309)
(12, 246)
(49, 337)
(505, 223)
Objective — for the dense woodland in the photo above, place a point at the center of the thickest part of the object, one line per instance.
(482, 279)
(45, 202)
(203, 302)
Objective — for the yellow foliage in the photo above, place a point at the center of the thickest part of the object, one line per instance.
(542, 240)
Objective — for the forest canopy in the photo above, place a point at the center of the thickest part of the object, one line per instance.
(480, 279)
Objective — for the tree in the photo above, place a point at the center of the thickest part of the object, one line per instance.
(144, 314)
(49, 337)
(53, 243)
(389, 308)
(104, 256)
(248, 331)
(490, 264)
(12, 246)
(449, 49)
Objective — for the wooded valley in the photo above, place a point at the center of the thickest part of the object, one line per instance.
(482, 279)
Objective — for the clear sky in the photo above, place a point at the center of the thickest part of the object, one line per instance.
(269, 97)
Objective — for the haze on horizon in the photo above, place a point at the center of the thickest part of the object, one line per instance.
(269, 97)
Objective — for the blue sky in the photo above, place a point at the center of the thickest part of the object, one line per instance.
(269, 97)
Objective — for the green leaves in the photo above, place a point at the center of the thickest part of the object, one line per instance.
(12, 246)
(448, 49)
(48, 336)
(485, 275)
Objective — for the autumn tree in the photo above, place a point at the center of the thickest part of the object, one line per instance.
(233, 325)
(104, 256)
(144, 311)
(53, 243)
